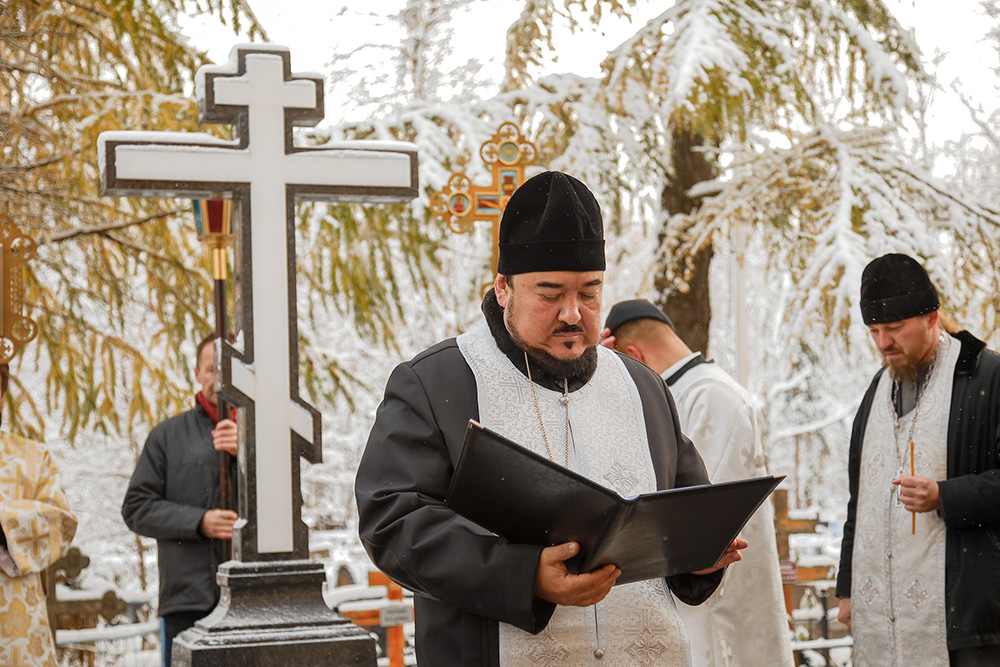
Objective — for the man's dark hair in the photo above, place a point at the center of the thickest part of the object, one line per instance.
(207, 340)
(4, 378)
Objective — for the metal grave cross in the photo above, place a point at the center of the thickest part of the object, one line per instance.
(266, 174)
(460, 203)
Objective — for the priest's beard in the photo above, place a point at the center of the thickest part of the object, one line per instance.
(580, 367)
(908, 367)
(903, 370)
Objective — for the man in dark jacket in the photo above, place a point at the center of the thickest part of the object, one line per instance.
(921, 551)
(174, 496)
(531, 370)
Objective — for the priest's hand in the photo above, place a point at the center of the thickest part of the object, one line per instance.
(218, 524)
(918, 494)
(554, 583)
(844, 612)
(224, 437)
(731, 556)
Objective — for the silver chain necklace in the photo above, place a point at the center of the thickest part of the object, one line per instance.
(563, 400)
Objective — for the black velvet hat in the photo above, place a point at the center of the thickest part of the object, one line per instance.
(895, 287)
(551, 223)
(636, 309)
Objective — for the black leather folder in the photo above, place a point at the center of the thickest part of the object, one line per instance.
(528, 499)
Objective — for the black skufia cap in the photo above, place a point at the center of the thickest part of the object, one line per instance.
(624, 312)
(895, 287)
(551, 223)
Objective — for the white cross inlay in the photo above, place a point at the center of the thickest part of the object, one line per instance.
(262, 168)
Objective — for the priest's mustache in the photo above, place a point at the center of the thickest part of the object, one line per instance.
(569, 328)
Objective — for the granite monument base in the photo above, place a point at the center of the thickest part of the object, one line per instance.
(272, 614)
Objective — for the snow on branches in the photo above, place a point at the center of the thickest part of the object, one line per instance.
(827, 205)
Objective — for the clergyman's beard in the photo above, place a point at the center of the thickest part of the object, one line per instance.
(908, 367)
(582, 366)
(903, 369)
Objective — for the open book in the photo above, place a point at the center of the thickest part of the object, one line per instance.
(528, 499)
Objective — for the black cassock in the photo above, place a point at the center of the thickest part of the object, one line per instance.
(466, 579)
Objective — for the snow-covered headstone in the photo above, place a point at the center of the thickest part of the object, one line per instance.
(271, 609)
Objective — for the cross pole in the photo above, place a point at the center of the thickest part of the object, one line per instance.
(266, 174)
(460, 203)
(214, 221)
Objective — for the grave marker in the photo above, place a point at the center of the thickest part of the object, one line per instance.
(265, 173)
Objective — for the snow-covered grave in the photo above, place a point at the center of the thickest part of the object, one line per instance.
(95, 621)
(817, 634)
(387, 608)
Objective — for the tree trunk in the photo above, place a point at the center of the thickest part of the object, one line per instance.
(691, 310)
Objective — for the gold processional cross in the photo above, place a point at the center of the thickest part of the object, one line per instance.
(16, 248)
(460, 203)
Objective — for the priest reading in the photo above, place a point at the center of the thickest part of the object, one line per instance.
(36, 528)
(533, 371)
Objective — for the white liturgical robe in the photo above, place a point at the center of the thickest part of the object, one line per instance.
(38, 527)
(745, 622)
(898, 601)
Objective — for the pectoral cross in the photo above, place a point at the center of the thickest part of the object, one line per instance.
(266, 173)
(461, 204)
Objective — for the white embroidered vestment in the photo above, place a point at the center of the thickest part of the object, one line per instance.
(744, 622)
(898, 583)
(636, 624)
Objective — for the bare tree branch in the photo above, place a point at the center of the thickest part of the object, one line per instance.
(104, 229)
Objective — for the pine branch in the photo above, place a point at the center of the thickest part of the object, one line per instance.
(41, 164)
(248, 10)
(104, 229)
(978, 209)
(140, 249)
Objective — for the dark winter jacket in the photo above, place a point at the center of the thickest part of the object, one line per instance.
(970, 498)
(176, 479)
(465, 578)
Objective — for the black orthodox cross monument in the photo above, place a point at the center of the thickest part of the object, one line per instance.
(271, 611)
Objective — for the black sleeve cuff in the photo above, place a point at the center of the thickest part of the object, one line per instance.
(541, 614)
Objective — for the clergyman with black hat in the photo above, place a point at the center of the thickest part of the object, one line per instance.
(532, 370)
(920, 559)
(745, 624)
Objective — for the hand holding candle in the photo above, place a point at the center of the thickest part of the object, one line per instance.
(918, 494)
